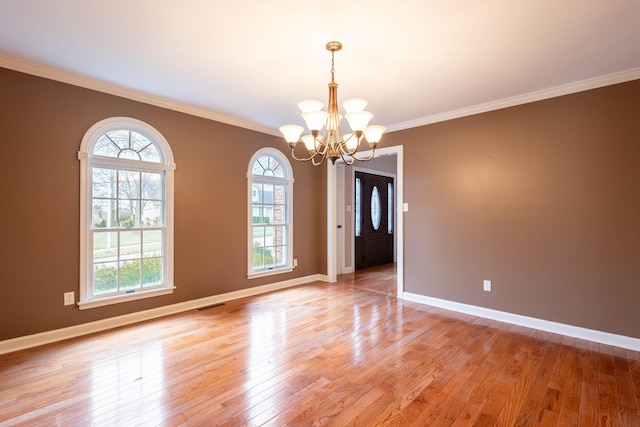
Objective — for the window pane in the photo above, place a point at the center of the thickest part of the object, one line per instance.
(105, 277)
(267, 214)
(129, 154)
(139, 141)
(128, 213)
(258, 236)
(105, 246)
(128, 184)
(269, 257)
(103, 183)
(275, 167)
(256, 214)
(267, 194)
(279, 194)
(280, 235)
(119, 137)
(130, 247)
(151, 214)
(260, 165)
(106, 147)
(129, 274)
(256, 193)
(279, 214)
(151, 271)
(151, 243)
(357, 208)
(375, 208)
(151, 154)
(258, 256)
(103, 213)
(269, 233)
(281, 256)
(151, 186)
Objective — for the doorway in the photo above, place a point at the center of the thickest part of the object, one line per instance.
(339, 213)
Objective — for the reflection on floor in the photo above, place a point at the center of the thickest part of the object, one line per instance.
(381, 279)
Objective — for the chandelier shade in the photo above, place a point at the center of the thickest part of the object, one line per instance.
(326, 138)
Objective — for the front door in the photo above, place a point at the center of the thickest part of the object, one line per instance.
(373, 220)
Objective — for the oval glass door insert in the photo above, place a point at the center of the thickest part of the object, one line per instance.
(375, 208)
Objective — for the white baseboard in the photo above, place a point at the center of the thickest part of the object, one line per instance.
(530, 322)
(28, 341)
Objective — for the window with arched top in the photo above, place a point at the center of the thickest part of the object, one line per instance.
(270, 188)
(126, 213)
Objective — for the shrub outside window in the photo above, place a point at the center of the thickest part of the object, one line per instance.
(126, 213)
(270, 233)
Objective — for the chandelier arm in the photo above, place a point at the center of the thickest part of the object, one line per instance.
(318, 163)
(320, 144)
(348, 161)
(311, 157)
(373, 153)
(344, 147)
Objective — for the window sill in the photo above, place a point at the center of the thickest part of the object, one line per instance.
(101, 302)
(269, 272)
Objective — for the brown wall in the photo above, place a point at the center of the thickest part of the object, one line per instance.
(543, 199)
(41, 125)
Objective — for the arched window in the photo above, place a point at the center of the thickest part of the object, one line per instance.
(270, 215)
(126, 213)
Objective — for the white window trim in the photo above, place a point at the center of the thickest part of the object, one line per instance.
(86, 163)
(284, 162)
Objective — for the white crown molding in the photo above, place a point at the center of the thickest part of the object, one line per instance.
(113, 89)
(567, 89)
(29, 341)
(529, 322)
(74, 79)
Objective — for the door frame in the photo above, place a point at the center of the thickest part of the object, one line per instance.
(332, 216)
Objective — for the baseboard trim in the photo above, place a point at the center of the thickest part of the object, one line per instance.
(530, 322)
(34, 340)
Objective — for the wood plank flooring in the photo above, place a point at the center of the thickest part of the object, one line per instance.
(343, 354)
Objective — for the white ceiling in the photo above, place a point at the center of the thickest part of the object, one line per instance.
(250, 62)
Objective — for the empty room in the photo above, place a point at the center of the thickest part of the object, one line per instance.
(320, 213)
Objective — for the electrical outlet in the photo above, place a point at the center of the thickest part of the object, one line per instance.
(295, 262)
(487, 285)
(69, 298)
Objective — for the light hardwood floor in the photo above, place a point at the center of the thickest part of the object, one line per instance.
(322, 354)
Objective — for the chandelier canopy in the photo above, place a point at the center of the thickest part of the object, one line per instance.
(326, 138)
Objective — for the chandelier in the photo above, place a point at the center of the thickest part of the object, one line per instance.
(332, 142)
